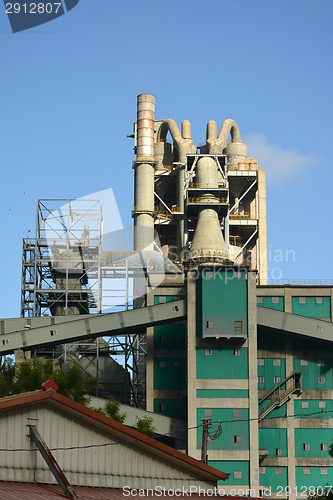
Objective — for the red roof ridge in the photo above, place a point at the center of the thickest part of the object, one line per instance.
(38, 396)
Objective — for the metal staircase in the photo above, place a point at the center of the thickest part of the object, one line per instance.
(280, 394)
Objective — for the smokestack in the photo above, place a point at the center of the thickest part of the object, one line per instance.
(208, 245)
(144, 174)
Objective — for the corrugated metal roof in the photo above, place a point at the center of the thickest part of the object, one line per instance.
(148, 444)
(33, 491)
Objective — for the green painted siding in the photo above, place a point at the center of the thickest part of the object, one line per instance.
(269, 371)
(222, 363)
(222, 393)
(272, 439)
(311, 309)
(313, 411)
(231, 426)
(229, 467)
(267, 302)
(222, 304)
(313, 437)
(170, 373)
(174, 408)
(312, 372)
(170, 336)
(271, 479)
(315, 478)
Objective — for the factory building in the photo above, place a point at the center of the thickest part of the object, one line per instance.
(267, 377)
(214, 344)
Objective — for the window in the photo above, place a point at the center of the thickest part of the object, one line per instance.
(237, 438)
(302, 300)
(237, 352)
(162, 407)
(208, 413)
(277, 380)
(275, 300)
(261, 380)
(262, 470)
(237, 474)
(176, 364)
(162, 339)
(176, 406)
(260, 300)
(319, 300)
(278, 470)
(210, 324)
(323, 470)
(322, 404)
(238, 327)
(321, 380)
(209, 274)
(321, 363)
(304, 362)
(276, 362)
(237, 413)
(323, 446)
(177, 340)
(278, 452)
(162, 364)
(208, 352)
(306, 470)
(162, 300)
(305, 404)
(306, 447)
(261, 362)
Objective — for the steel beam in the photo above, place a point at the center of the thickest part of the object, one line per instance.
(52, 463)
(60, 330)
(292, 323)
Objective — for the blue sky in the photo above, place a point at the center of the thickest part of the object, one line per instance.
(68, 100)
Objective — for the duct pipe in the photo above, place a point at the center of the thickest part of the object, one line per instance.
(184, 144)
(216, 144)
(144, 174)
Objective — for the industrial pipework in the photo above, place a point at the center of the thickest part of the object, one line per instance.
(144, 174)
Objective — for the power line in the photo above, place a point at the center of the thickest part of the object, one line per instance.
(147, 438)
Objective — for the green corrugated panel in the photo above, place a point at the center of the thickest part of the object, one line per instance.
(269, 371)
(229, 467)
(222, 393)
(268, 302)
(231, 426)
(274, 477)
(222, 363)
(174, 408)
(224, 304)
(171, 375)
(313, 437)
(315, 478)
(170, 336)
(312, 372)
(313, 410)
(311, 309)
(273, 439)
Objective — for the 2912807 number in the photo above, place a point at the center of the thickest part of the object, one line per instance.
(32, 8)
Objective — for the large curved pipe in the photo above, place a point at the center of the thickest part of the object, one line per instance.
(184, 144)
(215, 143)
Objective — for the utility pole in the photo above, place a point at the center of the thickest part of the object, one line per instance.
(205, 424)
